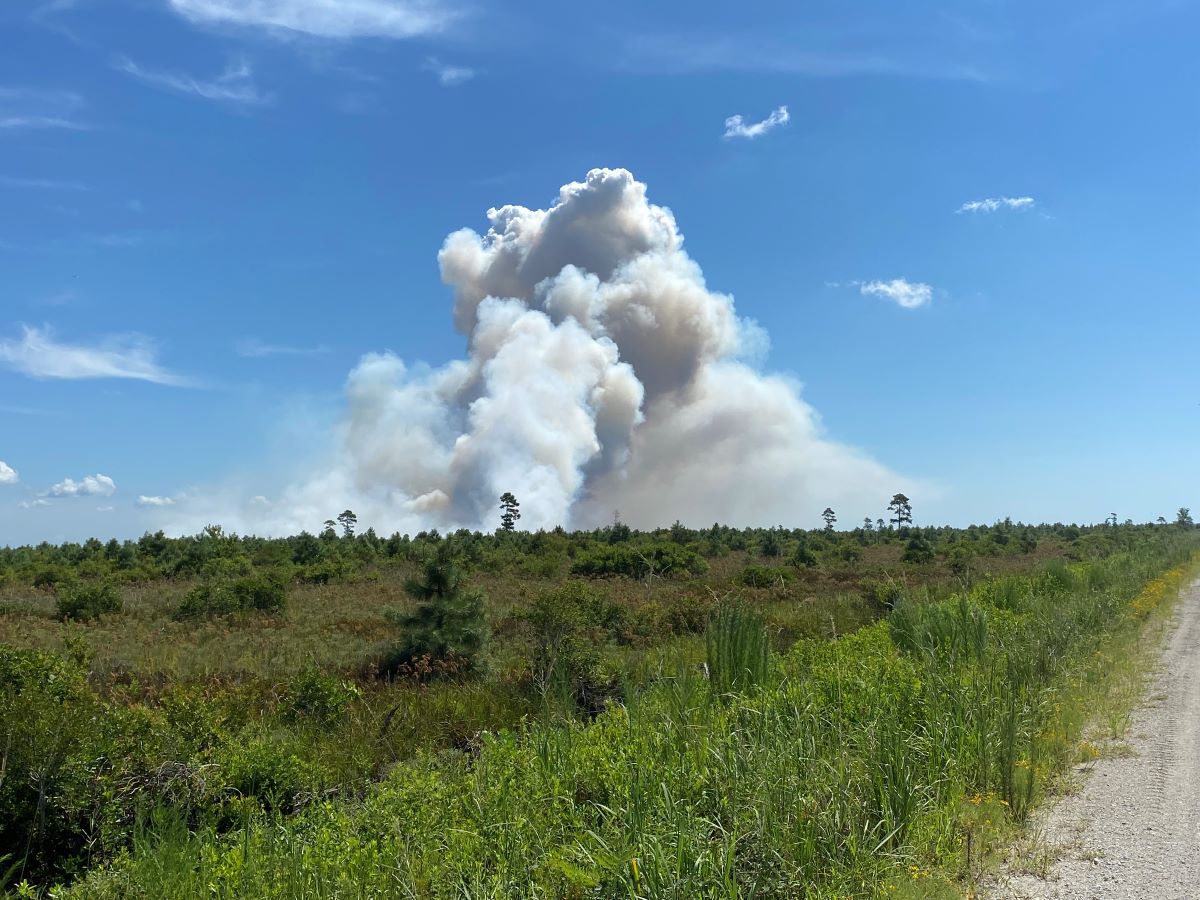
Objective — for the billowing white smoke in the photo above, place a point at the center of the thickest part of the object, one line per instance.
(602, 375)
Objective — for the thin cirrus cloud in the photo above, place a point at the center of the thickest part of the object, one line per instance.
(783, 53)
(89, 486)
(235, 85)
(993, 204)
(8, 475)
(252, 348)
(323, 18)
(904, 293)
(41, 184)
(736, 126)
(38, 355)
(23, 108)
(448, 75)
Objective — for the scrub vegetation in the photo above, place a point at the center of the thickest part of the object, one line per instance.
(678, 713)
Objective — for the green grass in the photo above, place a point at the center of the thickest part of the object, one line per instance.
(861, 766)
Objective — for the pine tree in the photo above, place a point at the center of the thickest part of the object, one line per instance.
(449, 624)
(512, 511)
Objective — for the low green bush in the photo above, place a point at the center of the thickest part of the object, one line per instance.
(264, 592)
(82, 600)
(665, 560)
(764, 576)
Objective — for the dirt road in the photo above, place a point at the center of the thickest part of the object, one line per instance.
(1133, 830)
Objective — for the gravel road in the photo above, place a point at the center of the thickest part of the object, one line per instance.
(1133, 829)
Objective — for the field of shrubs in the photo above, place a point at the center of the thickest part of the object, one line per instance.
(680, 713)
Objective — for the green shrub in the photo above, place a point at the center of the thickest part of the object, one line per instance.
(639, 561)
(321, 698)
(83, 600)
(917, 550)
(260, 592)
(764, 576)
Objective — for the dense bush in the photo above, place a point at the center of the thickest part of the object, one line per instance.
(639, 561)
(764, 576)
(260, 592)
(87, 599)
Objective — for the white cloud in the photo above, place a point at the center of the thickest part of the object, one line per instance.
(104, 508)
(234, 85)
(323, 18)
(41, 184)
(143, 500)
(449, 75)
(88, 486)
(30, 504)
(736, 127)
(253, 348)
(991, 204)
(8, 475)
(33, 108)
(38, 355)
(901, 291)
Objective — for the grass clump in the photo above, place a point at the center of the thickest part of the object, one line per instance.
(737, 650)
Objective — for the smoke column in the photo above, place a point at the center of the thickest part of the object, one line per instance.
(602, 374)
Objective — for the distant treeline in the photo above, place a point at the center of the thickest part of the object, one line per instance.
(677, 551)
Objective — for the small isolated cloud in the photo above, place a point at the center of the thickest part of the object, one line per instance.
(32, 108)
(234, 85)
(38, 355)
(736, 127)
(253, 348)
(41, 184)
(104, 508)
(323, 18)
(901, 291)
(30, 504)
(448, 75)
(259, 500)
(992, 204)
(143, 500)
(88, 486)
(8, 475)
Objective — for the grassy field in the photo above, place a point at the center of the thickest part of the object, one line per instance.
(713, 713)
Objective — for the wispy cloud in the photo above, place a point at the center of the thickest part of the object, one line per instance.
(24, 108)
(41, 184)
(143, 500)
(89, 486)
(736, 127)
(448, 75)
(8, 475)
(683, 53)
(31, 504)
(992, 204)
(235, 85)
(253, 348)
(323, 18)
(904, 293)
(38, 355)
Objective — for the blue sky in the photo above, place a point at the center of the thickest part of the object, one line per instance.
(228, 203)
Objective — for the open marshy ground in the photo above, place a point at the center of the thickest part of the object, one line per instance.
(681, 714)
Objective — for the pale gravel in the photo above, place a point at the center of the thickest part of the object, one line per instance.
(1132, 831)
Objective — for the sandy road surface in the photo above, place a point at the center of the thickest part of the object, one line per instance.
(1133, 830)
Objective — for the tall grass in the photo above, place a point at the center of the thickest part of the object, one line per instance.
(738, 650)
(868, 766)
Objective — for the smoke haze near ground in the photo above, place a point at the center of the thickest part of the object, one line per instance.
(602, 375)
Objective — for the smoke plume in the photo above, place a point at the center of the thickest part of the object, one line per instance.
(602, 374)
